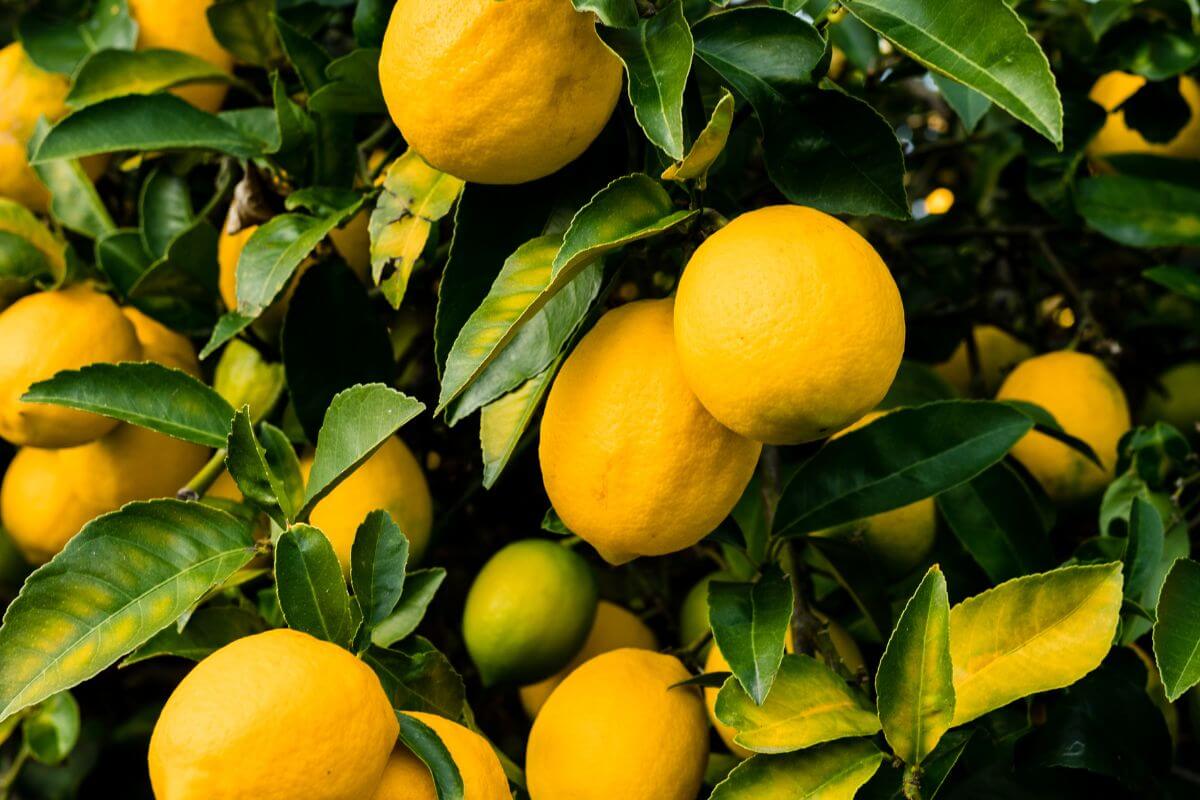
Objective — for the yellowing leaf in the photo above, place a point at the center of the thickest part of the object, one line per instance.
(504, 421)
(707, 147)
(1031, 634)
(19, 221)
(831, 772)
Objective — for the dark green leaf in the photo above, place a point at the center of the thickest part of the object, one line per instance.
(968, 104)
(419, 588)
(425, 744)
(417, 677)
(58, 45)
(227, 327)
(1140, 212)
(1144, 549)
(750, 624)
(115, 73)
(1177, 631)
(180, 289)
(353, 86)
(1181, 280)
(312, 591)
(853, 569)
(251, 470)
(916, 384)
(122, 258)
(52, 728)
(74, 200)
(378, 558)
(244, 28)
(208, 630)
(166, 211)
(616, 13)
(1157, 111)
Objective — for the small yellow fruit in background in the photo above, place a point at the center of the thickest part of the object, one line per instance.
(998, 350)
(161, 344)
(275, 716)
(497, 92)
(407, 778)
(41, 507)
(789, 326)
(392, 480)
(1086, 400)
(1176, 401)
(183, 25)
(1113, 89)
(44, 333)
(631, 461)
(29, 92)
(613, 628)
(939, 201)
(614, 728)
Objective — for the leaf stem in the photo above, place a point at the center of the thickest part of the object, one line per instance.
(911, 783)
(10, 775)
(205, 478)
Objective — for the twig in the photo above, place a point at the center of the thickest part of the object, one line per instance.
(205, 478)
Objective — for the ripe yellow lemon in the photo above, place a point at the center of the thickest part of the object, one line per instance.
(1176, 399)
(613, 628)
(41, 506)
(161, 344)
(44, 333)
(183, 25)
(497, 92)
(407, 778)
(998, 351)
(1088, 403)
(392, 480)
(788, 324)
(1113, 89)
(29, 92)
(274, 716)
(615, 728)
(630, 459)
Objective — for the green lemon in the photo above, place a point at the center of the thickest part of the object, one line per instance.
(528, 612)
(1176, 399)
(693, 614)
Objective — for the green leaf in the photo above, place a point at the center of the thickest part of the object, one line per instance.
(417, 677)
(268, 477)
(312, 591)
(74, 201)
(122, 579)
(628, 209)
(708, 145)
(1179, 279)
(21, 265)
(378, 558)
(968, 104)
(916, 384)
(425, 745)
(1144, 549)
(750, 623)
(122, 258)
(905, 456)
(357, 423)
(808, 705)
(208, 630)
(227, 327)
(419, 588)
(1139, 212)
(1177, 629)
(115, 73)
(52, 728)
(503, 422)
(853, 569)
(831, 772)
(58, 45)
(145, 123)
(914, 682)
(180, 289)
(147, 394)
(1031, 634)
(353, 86)
(615, 13)
(166, 210)
(657, 53)
(1045, 423)
(30, 249)
(988, 50)
(244, 28)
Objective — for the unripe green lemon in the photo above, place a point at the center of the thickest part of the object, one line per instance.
(693, 614)
(1176, 399)
(528, 611)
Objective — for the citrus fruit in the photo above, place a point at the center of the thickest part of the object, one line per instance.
(29, 92)
(44, 333)
(529, 611)
(183, 25)
(1113, 89)
(1087, 402)
(630, 459)
(613, 628)
(1176, 398)
(788, 325)
(615, 728)
(392, 480)
(693, 613)
(274, 716)
(161, 344)
(998, 351)
(497, 92)
(40, 505)
(407, 778)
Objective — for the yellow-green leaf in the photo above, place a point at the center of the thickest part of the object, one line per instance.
(503, 422)
(707, 147)
(1032, 634)
(831, 772)
(19, 221)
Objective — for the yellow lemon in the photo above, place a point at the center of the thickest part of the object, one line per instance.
(613, 628)
(161, 344)
(183, 25)
(44, 333)
(1176, 399)
(1088, 403)
(630, 459)
(274, 716)
(497, 92)
(1113, 89)
(42, 506)
(392, 480)
(788, 324)
(29, 92)
(998, 351)
(614, 728)
(407, 778)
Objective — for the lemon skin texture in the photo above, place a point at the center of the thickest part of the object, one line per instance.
(1088, 403)
(788, 325)
(41, 505)
(162, 345)
(631, 461)
(1177, 401)
(528, 611)
(614, 728)
(183, 25)
(44, 333)
(613, 628)
(497, 92)
(274, 716)
(998, 351)
(407, 778)
(392, 480)
(29, 92)
(1113, 89)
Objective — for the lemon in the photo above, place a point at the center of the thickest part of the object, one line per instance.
(497, 92)
(274, 716)
(998, 351)
(614, 728)
(693, 613)
(392, 480)
(183, 25)
(613, 628)
(407, 778)
(528, 611)
(44, 333)
(29, 92)
(630, 459)
(1088, 403)
(788, 325)
(41, 506)
(1176, 399)
(161, 344)
(1113, 89)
